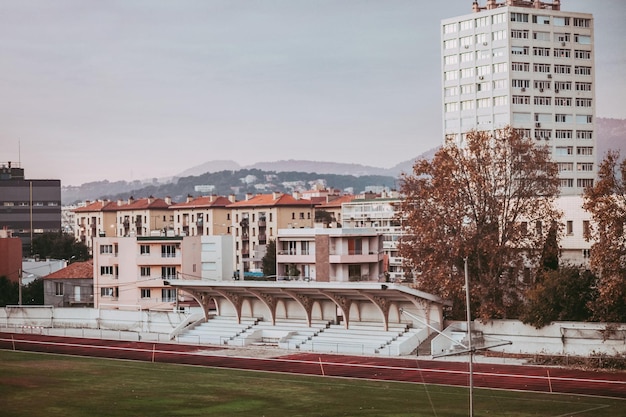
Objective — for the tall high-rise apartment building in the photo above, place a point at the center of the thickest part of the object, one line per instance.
(529, 65)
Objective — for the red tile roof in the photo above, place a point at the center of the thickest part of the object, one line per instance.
(268, 200)
(76, 270)
(203, 202)
(337, 202)
(144, 204)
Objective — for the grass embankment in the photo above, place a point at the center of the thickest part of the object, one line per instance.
(33, 384)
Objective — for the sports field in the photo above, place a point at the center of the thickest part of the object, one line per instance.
(37, 384)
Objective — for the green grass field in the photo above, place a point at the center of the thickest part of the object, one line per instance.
(33, 384)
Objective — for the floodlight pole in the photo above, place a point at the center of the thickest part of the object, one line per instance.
(469, 343)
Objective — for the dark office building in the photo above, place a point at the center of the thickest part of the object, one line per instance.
(28, 207)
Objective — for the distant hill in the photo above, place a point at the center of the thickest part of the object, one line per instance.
(611, 134)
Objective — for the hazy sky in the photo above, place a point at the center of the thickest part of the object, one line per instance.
(135, 89)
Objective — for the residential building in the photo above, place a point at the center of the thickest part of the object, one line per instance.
(142, 216)
(330, 255)
(28, 207)
(329, 213)
(95, 219)
(529, 65)
(132, 272)
(575, 249)
(381, 215)
(71, 286)
(204, 216)
(10, 256)
(257, 219)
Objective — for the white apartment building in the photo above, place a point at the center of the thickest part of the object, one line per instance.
(530, 65)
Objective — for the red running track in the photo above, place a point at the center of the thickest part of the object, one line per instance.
(509, 377)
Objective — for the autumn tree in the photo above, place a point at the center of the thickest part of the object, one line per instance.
(490, 202)
(606, 201)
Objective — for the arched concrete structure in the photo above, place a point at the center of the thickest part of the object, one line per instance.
(372, 301)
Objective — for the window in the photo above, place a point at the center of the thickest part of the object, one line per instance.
(168, 272)
(451, 107)
(483, 70)
(498, 35)
(481, 22)
(563, 134)
(498, 18)
(562, 85)
(520, 100)
(482, 54)
(467, 105)
(583, 86)
(585, 166)
(582, 22)
(582, 119)
(520, 83)
(144, 271)
(564, 150)
(542, 20)
(520, 66)
(106, 292)
(583, 102)
(541, 67)
(562, 53)
(481, 38)
(560, 21)
(584, 134)
(108, 249)
(467, 72)
(499, 68)
(450, 59)
(584, 150)
(566, 166)
(562, 37)
(467, 57)
(519, 50)
(562, 118)
(519, 34)
(541, 51)
(542, 85)
(582, 39)
(144, 249)
(586, 252)
(450, 75)
(304, 247)
(451, 91)
(500, 101)
(541, 36)
(483, 103)
(168, 251)
(519, 17)
(562, 101)
(466, 41)
(578, 54)
(467, 89)
(106, 270)
(542, 101)
(544, 134)
(450, 28)
(145, 293)
(584, 182)
(569, 227)
(579, 70)
(566, 182)
(168, 295)
(466, 25)
(450, 44)
(58, 288)
(562, 69)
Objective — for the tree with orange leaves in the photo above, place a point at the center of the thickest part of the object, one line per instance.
(489, 201)
(606, 201)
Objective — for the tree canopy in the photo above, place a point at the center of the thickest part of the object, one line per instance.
(59, 246)
(606, 201)
(489, 201)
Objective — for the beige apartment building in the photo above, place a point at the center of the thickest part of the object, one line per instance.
(202, 216)
(256, 221)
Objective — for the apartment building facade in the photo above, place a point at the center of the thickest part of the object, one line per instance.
(529, 65)
(257, 219)
(330, 255)
(202, 216)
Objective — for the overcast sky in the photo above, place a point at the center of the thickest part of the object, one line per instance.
(135, 89)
